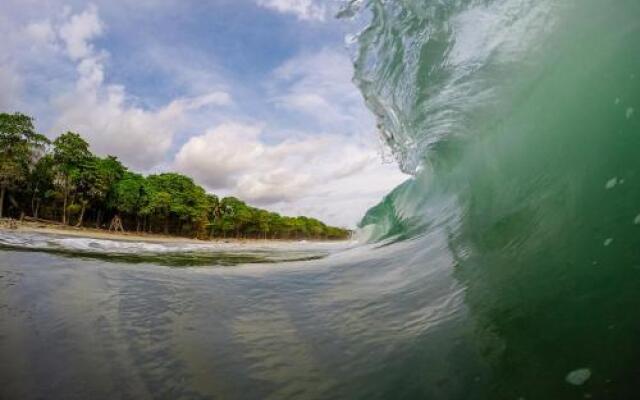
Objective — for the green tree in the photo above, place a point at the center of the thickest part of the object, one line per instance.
(314, 228)
(95, 182)
(106, 173)
(264, 222)
(224, 215)
(20, 147)
(40, 183)
(276, 224)
(71, 155)
(242, 215)
(175, 196)
(130, 196)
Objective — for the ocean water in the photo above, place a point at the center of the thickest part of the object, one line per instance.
(508, 267)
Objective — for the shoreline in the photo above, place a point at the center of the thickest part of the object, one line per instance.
(93, 233)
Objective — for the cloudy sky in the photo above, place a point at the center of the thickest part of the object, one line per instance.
(252, 98)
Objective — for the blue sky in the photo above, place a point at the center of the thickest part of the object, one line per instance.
(250, 97)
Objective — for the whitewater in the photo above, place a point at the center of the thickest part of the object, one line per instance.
(506, 267)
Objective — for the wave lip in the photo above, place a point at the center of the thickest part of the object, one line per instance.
(427, 69)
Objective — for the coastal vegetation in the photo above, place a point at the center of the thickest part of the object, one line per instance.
(64, 181)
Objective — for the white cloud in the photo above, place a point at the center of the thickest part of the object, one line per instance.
(139, 137)
(101, 112)
(233, 156)
(302, 9)
(10, 86)
(318, 86)
(57, 58)
(194, 103)
(41, 33)
(217, 157)
(11, 81)
(78, 32)
(296, 176)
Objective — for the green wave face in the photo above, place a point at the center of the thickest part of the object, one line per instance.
(520, 121)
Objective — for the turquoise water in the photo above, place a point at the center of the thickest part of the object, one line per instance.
(508, 267)
(519, 120)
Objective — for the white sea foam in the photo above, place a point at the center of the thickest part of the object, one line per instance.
(268, 250)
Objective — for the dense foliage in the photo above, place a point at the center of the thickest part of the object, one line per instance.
(64, 181)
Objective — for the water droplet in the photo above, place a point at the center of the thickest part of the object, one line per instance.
(578, 376)
(629, 112)
(608, 241)
(611, 183)
(616, 101)
(636, 220)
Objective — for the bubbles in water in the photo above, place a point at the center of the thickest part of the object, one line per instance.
(611, 183)
(608, 241)
(616, 101)
(578, 376)
(629, 112)
(637, 220)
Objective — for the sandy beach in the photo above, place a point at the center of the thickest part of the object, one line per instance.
(59, 229)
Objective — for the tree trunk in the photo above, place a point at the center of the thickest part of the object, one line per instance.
(98, 219)
(37, 209)
(64, 203)
(33, 202)
(84, 207)
(2, 191)
(166, 225)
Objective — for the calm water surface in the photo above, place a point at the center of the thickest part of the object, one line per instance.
(79, 327)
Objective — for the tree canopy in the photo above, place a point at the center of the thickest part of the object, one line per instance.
(20, 146)
(64, 180)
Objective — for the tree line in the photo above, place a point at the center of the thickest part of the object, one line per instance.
(63, 180)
